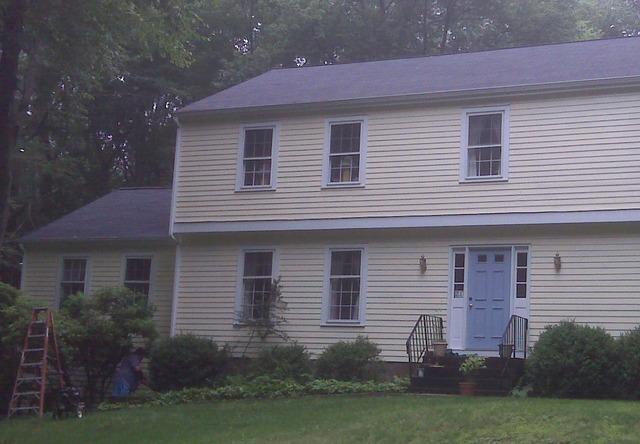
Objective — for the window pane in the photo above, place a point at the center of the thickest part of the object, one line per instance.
(257, 293)
(459, 260)
(521, 291)
(138, 269)
(257, 172)
(484, 161)
(485, 129)
(74, 269)
(345, 263)
(458, 275)
(522, 259)
(138, 287)
(257, 142)
(345, 138)
(521, 275)
(258, 263)
(345, 168)
(345, 295)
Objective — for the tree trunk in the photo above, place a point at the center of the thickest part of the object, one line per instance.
(11, 47)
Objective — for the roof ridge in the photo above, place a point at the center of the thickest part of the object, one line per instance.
(480, 51)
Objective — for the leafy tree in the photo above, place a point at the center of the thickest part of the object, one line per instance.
(15, 312)
(97, 331)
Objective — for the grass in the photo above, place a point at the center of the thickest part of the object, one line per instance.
(353, 419)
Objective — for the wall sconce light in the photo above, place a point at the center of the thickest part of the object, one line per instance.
(557, 262)
(423, 264)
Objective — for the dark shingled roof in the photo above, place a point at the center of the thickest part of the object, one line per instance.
(504, 68)
(124, 214)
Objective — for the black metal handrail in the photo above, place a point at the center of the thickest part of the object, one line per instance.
(427, 330)
(514, 338)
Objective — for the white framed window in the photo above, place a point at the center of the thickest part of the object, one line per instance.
(345, 152)
(137, 274)
(257, 157)
(344, 300)
(73, 277)
(257, 272)
(521, 273)
(485, 144)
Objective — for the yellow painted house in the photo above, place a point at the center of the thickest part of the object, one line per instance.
(486, 190)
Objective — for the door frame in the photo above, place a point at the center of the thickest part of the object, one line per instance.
(457, 322)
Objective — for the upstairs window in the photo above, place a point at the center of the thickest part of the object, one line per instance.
(74, 275)
(257, 279)
(137, 276)
(257, 169)
(346, 153)
(485, 145)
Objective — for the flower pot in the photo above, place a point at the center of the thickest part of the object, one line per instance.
(506, 350)
(439, 349)
(467, 388)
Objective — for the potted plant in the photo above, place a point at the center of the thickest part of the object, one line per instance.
(439, 349)
(468, 368)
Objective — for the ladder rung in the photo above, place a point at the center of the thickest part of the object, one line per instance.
(29, 378)
(35, 407)
(31, 364)
(39, 321)
(26, 393)
(31, 350)
(36, 336)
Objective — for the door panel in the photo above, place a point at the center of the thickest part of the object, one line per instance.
(488, 297)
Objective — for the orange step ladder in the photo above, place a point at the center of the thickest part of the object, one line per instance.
(39, 360)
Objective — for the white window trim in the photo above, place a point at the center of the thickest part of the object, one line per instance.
(240, 186)
(326, 169)
(275, 272)
(326, 293)
(505, 110)
(152, 272)
(87, 275)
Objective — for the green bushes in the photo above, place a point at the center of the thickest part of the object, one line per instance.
(186, 361)
(629, 366)
(350, 361)
(577, 361)
(283, 362)
(266, 387)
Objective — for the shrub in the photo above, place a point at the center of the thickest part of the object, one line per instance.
(349, 361)
(186, 361)
(629, 364)
(265, 387)
(571, 360)
(283, 362)
(97, 331)
(15, 312)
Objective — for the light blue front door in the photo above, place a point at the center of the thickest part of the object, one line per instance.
(489, 296)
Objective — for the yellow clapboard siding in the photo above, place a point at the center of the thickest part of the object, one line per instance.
(43, 267)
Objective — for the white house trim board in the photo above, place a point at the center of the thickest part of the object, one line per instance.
(441, 221)
(176, 290)
(176, 172)
(275, 142)
(457, 307)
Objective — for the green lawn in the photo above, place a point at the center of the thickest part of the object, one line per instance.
(359, 419)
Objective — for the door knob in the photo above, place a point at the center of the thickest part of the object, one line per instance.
(470, 305)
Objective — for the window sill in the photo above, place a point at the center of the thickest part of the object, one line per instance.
(254, 189)
(338, 185)
(342, 324)
(483, 179)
